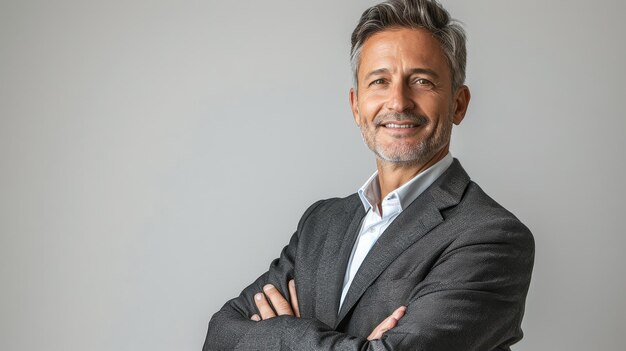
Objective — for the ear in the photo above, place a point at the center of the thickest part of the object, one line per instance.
(461, 102)
(354, 106)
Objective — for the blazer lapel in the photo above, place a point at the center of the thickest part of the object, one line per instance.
(419, 218)
(342, 232)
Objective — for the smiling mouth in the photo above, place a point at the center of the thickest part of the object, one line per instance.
(399, 126)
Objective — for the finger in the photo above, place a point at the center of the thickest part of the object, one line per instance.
(387, 324)
(281, 305)
(294, 298)
(384, 326)
(263, 306)
(255, 317)
(377, 333)
(399, 312)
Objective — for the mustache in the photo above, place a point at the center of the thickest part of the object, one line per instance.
(414, 118)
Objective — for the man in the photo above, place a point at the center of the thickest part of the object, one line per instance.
(420, 258)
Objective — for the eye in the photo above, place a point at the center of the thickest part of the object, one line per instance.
(378, 81)
(422, 81)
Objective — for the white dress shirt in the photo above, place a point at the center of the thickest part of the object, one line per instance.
(373, 224)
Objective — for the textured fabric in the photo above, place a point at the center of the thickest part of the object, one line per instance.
(374, 223)
(459, 261)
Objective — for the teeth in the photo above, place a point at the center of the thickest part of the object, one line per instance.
(391, 125)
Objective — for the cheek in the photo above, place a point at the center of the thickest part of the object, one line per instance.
(369, 107)
(438, 112)
(431, 104)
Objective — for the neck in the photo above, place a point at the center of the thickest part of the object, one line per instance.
(392, 175)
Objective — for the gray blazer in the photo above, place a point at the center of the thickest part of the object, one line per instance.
(458, 260)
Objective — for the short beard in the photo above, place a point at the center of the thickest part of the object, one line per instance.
(419, 154)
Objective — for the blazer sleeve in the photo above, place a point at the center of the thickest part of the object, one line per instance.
(231, 326)
(472, 299)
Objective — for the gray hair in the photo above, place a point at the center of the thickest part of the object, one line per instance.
(426, 14)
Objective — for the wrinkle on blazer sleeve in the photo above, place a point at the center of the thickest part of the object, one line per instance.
(473, 298)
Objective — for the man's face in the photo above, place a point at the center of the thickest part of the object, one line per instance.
(405, 105)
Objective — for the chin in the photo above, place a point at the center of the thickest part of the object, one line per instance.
(408, 154)
(399, 157)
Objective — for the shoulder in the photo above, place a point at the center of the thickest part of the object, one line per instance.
(335, 205)
(480, 219)
(323, 210)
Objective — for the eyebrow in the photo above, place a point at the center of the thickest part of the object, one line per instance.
(412, 71)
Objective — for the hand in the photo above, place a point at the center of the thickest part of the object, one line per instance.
(387, 324)
(280, 305)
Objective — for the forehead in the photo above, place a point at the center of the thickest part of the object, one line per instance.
(400, 48)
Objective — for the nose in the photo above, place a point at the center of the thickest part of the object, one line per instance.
(399, 98)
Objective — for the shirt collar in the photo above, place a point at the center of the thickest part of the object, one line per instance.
(409, 191)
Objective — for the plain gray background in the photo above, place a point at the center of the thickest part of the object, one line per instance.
(133, 133)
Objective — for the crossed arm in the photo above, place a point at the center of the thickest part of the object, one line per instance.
(281, 307)
(471, 299)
